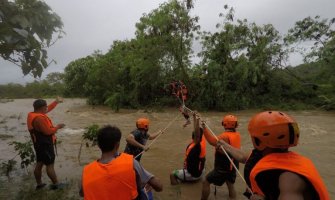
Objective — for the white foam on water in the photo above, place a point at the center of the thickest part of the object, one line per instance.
(69, 131)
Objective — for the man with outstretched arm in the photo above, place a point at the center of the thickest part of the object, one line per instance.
(42, 133)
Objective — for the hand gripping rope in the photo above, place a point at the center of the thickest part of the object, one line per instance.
(230, 160)
(161, 132)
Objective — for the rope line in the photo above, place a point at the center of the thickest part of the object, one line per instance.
(225, 152)
(161, 132)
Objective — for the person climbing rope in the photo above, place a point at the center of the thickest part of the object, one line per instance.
(179, 89)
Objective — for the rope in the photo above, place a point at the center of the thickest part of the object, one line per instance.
(225, 152)
(161, 132)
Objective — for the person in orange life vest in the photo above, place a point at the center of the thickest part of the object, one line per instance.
(138, 138)
(281, 174)
(250, 159)
(42, 133)
(223, 171)
(115, 175)
(195, 157)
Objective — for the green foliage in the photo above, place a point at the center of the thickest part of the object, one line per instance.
(318, 31)
(26, 31)
(243, 64)
(25, 151)
(75, 76)
(36, 89)
(91, 134)
(114, 101)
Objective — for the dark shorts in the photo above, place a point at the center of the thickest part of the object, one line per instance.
(219, 178)
(45, 153)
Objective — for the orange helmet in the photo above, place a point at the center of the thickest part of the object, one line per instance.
(142, 123)
(273, 129)
(229, 121)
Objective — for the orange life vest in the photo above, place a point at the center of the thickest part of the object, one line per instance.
(30, 120)
(221, 162)
(114, 180)
(293, 162)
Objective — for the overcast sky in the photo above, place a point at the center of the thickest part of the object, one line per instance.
(94, 24)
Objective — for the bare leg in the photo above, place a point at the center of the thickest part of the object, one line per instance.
(51, 173)
(173, 179)
(231, 189)
(38, 173)
(205, 190)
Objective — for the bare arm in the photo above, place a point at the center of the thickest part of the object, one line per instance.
(196, 120)
(156, 184)
(131, 140)
(153, 136)
(237, 154)
(291, 186)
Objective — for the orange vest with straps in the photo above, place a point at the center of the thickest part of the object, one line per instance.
(221, 162)
(114, 180)
(30, 120)
(293, 162)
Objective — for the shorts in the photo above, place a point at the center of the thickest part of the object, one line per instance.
(45, 153)
(184, 176)
(219, 178)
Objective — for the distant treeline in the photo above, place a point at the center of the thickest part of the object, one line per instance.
(242, 65)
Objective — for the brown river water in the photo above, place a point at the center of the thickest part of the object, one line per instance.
(317, 142)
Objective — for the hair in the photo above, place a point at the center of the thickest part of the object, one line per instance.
(39, 103)
(108, 137)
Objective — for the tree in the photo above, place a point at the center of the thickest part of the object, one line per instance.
(238, 59)
(26, 31)
(75, 76)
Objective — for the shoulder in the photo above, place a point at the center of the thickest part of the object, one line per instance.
(290, 182)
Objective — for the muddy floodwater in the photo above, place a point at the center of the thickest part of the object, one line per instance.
(317, 142)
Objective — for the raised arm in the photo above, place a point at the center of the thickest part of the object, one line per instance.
(237, 154)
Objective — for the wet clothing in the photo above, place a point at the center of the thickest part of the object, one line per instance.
(42, 133)
(252, 160)
(122, 178)
(223, 170)
(218, 178)
(264, 176)
(45, 153)
(142, 138)
(184, 176)
(194, 162)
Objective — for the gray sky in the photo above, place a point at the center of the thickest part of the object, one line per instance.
(94, 24)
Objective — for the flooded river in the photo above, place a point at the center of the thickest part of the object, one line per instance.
(317, 142)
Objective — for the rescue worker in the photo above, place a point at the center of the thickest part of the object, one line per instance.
(138, 138)
(42, 133)
(195, 157)
(272, 171)
(223, 171)
(115, 175)
(281, 174)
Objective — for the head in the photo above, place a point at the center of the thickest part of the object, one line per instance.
(143, 124)
(40, 105)
(229, 122)
(273, 129)
(109, 138)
